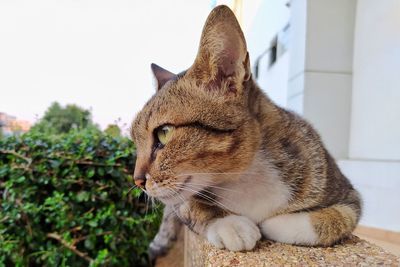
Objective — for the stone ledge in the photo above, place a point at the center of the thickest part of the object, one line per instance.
(353, 252)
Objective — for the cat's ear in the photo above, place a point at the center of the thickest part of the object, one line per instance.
(222, 62)
(162, 75)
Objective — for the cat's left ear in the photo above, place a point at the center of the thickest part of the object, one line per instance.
(162, 75)
(222, 62)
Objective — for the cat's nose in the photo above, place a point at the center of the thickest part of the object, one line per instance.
(140, 181)
(139, 176)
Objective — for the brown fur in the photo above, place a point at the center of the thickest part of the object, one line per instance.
(223, 122)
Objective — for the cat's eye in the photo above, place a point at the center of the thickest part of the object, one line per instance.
(164, 134)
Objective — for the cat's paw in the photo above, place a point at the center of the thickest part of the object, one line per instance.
(233, 232)
(160, 245)
(157, 250)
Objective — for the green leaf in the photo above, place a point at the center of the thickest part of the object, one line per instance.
(90, 173)
(92, 223)
(82, 196)
(100, 171)
(20, 179)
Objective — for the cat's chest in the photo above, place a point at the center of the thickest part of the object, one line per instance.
(255, 196)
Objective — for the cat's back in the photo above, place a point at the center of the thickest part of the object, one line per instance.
(295, 148)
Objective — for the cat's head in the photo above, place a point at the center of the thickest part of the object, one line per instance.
(198, 124)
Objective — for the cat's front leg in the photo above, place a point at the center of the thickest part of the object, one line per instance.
(166, 235)
(223, 230)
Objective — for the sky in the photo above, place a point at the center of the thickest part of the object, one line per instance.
(95, 54)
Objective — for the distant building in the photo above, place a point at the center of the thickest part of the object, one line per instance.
(10, 125)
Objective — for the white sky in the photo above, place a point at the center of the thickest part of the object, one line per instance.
(96, 54)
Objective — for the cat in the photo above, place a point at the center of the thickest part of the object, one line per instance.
(229, 163)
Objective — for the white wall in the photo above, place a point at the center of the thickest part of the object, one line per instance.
(320, 76)
(328, 70)
(261, 24)
(374, 149)
(375, 129)
(378, 183)
(274, 79)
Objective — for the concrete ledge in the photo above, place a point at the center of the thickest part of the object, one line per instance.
(353, 252)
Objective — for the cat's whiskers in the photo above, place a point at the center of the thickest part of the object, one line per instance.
(217, 173)
(147, 204)
(257, 177)
(204, 189)
(130, 189)
(210, 199)
(152, 203)
(204, 196)
(171, 192)
(234, 176)
(208, 185)
(175, 194)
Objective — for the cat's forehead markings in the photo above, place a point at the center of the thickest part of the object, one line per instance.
(149, 115)
(141, 121)
(152, 108)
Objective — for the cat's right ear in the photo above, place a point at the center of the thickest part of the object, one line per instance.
(162, 75)
(222, 63)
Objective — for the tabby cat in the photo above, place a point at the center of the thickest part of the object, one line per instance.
(229, 163)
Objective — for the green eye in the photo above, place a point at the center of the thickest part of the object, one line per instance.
(164, 134)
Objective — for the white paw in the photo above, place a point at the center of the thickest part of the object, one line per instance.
(234, 233)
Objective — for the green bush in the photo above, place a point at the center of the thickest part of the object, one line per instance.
(65, 202)
(61, 119)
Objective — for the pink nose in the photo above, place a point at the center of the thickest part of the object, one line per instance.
(140, 183)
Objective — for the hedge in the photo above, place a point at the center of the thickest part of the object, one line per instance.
(65, 202)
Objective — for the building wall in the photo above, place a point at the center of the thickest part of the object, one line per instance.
(375, 130)
(320, 76)
(262, 21)
(373, 163)
(10, 125)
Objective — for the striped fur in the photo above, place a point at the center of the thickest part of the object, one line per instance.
(235, 154)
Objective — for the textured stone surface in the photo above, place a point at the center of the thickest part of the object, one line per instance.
(353, 252)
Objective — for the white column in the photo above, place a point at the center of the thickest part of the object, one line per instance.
(345, 79)
(375, 131)
(320, 76)
(374, 151)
